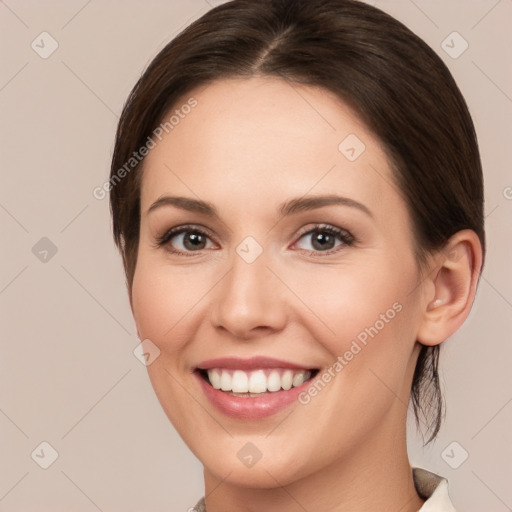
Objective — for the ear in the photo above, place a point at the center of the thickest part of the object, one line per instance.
(455, 277)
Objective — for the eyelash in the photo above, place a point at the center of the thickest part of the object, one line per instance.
(345, 236)
(168, 235)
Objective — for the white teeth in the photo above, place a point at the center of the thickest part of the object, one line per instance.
(256, 381)
(287, 380)
(225, 381)
(298, 379)
(214, 378)
(274, 381)
(239, 382)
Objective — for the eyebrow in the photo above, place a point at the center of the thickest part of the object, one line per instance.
(288, 208)
(312, 202)
(185, 203)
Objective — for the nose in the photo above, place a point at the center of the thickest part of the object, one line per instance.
(249, 301)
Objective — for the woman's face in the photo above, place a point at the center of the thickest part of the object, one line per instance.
(300, 261)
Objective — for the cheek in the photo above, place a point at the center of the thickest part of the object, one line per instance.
(356, 302)
(162, 300)
(364, 317)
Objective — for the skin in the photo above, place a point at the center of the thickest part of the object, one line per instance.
(247, 147)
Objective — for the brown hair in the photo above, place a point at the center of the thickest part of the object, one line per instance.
(395, 82)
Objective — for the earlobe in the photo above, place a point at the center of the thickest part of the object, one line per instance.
(457, 269)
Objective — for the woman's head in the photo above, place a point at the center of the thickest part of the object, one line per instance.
(276, 103)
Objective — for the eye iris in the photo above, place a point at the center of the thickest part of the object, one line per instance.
(194, 241)
(323, 240)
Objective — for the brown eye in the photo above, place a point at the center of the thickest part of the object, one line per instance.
(324, 239)
(194, 241)
(185, 239)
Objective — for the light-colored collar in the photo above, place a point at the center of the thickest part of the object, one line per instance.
(434, 489)
(431, 487)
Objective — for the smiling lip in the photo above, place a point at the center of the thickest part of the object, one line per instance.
(254, 363)
(249, 408)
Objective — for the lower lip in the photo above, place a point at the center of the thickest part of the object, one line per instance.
(249, 408)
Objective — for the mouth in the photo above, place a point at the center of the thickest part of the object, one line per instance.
(252, 389)
(257, 382)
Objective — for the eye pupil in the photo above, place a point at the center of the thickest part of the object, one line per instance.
(323, 240)
(194, 241)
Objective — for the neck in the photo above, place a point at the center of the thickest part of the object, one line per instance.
(373, 476)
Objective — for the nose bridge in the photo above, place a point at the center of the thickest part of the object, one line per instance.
(248, 297)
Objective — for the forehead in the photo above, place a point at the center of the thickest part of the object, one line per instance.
(267, 137)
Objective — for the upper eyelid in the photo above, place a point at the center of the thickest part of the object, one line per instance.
(322, 225)
(176, 230)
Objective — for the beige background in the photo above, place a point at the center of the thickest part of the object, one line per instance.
(68, 375)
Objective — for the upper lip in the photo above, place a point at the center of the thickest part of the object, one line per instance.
(236, 363)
